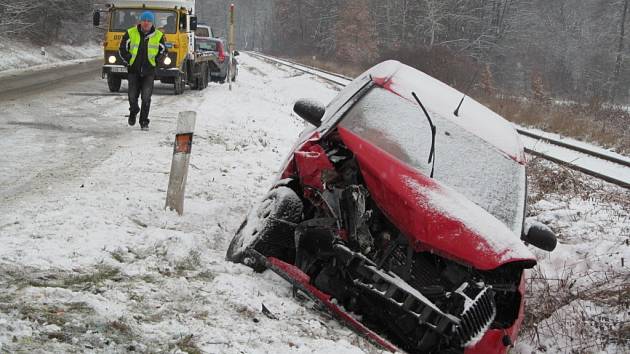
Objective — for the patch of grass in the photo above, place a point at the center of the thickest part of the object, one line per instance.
(587, 314)
(60, 279)
(119, 255)
(43, 314)
(119, 326)
(54, 314)
(546, 179)
(188, 345)
(608, 126)
(188, 263)
(206, 276)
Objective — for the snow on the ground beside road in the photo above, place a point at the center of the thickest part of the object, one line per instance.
(578, 295)
(96, 264)
(20, 54)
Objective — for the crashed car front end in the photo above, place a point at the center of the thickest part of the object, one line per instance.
(433, 265)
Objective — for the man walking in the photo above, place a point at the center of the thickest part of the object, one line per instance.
(142, 47)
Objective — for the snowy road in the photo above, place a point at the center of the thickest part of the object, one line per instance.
(51, 134)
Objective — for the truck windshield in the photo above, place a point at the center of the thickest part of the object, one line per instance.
(123, 19)
(464, 161)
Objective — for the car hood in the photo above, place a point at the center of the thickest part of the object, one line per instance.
(435, 217)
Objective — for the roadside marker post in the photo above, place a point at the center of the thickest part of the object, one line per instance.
(181, 161)
(231, 46)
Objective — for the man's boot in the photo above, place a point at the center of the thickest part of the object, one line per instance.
(132, 117)
(144, 116)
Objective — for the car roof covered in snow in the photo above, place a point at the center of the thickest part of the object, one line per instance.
(439, 98)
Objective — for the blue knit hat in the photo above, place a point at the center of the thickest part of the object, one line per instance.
(147, 16)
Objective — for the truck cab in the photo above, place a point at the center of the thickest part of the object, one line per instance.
(173, 18)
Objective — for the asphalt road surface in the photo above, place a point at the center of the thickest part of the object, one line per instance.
(57, 124)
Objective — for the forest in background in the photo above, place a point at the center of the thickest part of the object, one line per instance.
(47, 21)
(566, 49)
(571, 49)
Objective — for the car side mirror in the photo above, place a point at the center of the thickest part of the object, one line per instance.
(236, 53)
(539, 235)
(310, 111)
(193, 23)
(96, 18)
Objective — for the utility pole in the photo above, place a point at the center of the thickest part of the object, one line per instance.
(231, 46)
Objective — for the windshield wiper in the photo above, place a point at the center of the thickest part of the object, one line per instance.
(433, 132)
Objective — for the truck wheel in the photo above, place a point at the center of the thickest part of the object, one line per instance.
(194, 83)
(205, 77)
(113, 82)
(179, 85)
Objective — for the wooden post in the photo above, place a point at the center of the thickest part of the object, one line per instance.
(181, 161)
(231, 46)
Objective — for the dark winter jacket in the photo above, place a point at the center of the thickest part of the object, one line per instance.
(141, 65)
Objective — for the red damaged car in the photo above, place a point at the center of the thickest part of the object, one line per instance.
(402, 213)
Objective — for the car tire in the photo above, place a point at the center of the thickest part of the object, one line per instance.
(114, 82)
(268, 229)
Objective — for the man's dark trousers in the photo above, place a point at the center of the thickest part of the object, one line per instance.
(140, 85)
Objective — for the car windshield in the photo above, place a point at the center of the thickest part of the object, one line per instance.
(464, 161)
(123, 19)
(206, 45)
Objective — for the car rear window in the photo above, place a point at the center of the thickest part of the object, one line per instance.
(207, 45)
(202, 32)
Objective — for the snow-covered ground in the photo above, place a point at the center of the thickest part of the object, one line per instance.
(22, 54)
(90, 261)
(580, 293)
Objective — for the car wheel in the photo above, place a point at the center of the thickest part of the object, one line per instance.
(268, 229)
(114, 82)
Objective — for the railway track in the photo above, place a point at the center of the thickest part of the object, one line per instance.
(588, 159)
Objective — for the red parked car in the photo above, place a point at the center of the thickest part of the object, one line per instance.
(403, 207)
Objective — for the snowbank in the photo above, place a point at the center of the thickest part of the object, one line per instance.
(19, 54)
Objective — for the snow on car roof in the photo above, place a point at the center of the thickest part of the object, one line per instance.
(442, 99)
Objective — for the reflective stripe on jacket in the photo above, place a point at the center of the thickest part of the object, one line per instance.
(153, 46)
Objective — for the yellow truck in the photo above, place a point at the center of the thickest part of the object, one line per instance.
(177, 20)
